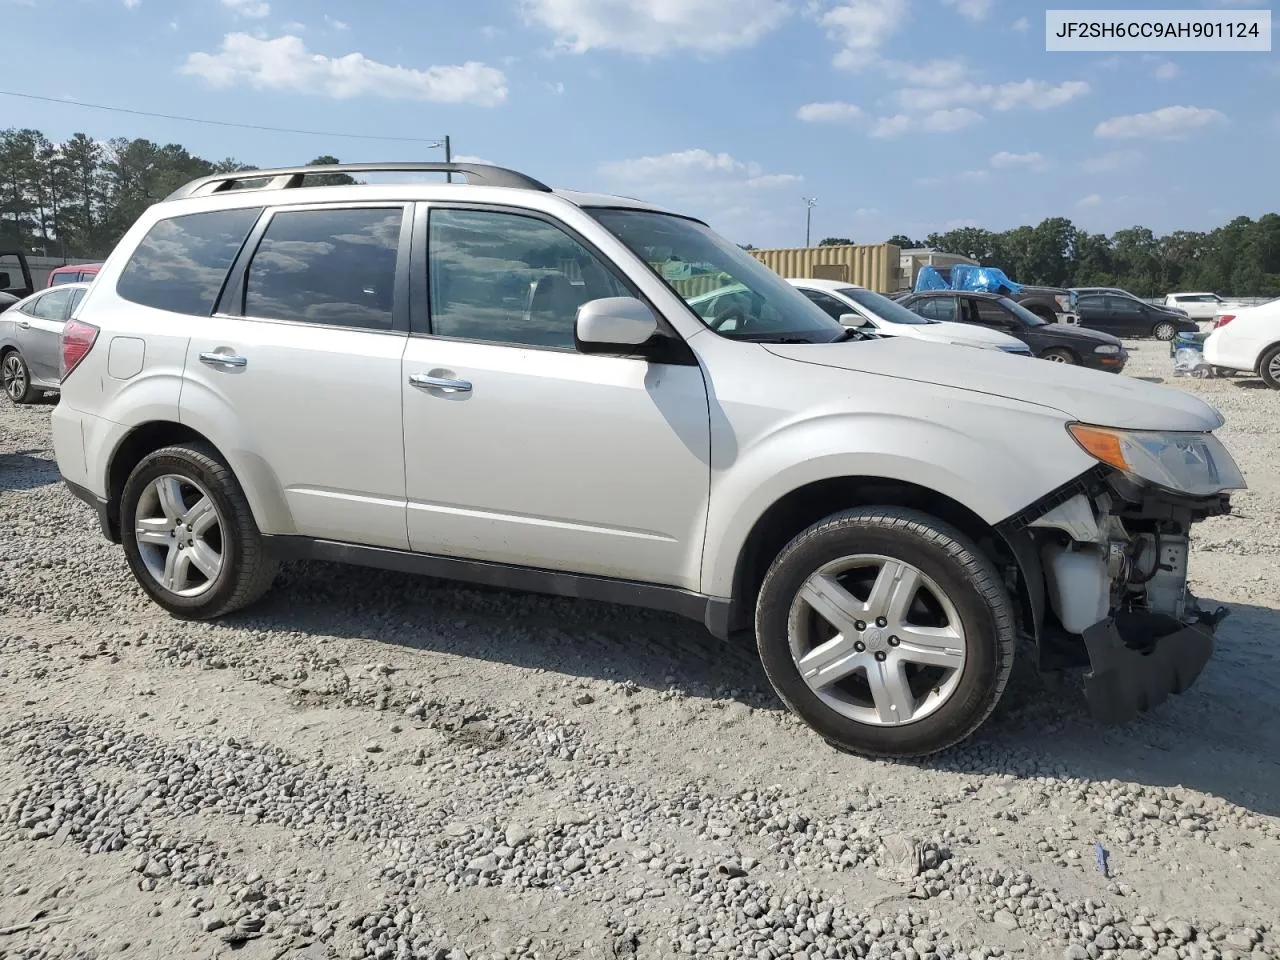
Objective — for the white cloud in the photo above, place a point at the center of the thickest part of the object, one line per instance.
(1092, 200)
(339, 25)
(1108, 162)
(832, 111)
(1004, 160)
(932, 73)
(1167, 123)
(653, 27)
(253, 9)
(1036, 94)
(946, 121)
(285, 64)
(973, 9)
(132, 4)
(472, 158)
(735, 196)
(861, 27)
(886, 128)
(1022, 25)
(1167, 70)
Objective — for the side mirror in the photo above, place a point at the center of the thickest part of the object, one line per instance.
(614, 325)
(854, 320)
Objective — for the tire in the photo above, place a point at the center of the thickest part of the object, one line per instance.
(1059, 355)
(955, 584)
(200, 589)
(15, 376)
(1269, 367)
(1164, 330)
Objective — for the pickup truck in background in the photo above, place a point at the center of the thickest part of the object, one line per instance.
(1054, 304)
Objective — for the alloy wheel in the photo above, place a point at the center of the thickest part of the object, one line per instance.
(1273, 367)
(877, 640)
(1165, 330)
(14, 376)
(180, 535)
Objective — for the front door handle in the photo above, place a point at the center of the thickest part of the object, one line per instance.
(223, 359)
(440, 383)
(24, 325)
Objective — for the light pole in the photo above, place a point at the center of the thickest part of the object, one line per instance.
(809, 203)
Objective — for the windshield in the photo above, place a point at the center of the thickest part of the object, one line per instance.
(1022, 313)
(731, 291)
(882, 307)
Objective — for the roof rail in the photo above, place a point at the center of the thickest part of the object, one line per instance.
(286, 178)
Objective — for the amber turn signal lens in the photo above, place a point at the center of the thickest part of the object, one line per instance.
(1100, 443)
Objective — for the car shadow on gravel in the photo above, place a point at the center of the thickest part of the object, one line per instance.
(1220, 736)
(576, 638)
(25, 471)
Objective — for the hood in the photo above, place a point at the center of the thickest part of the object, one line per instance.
(949, 332)
(1091, 396)
(1072, 333)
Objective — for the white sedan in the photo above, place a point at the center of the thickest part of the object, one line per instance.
(890, 319)
(1200, 305)
(1248, 339)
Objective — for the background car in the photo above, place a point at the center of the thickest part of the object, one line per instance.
(1058, 342)
(30, 352)
(890, 319)
(1248, 340)
(73, 273)
(1054, 304)
(7, 300)
(1199, 305)
(1121, 292)
(1125, 316)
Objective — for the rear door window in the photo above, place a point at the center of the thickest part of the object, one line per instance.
(181, 263)
(334, 267)
(51, 305)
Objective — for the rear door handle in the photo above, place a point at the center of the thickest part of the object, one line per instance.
(440, 383)
(223, 359)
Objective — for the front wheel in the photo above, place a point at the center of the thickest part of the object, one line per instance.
(1269, 367)
(1058, 355)
(887, 631)
(189, 535)
(1164, 330)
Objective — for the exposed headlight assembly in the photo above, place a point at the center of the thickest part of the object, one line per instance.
(1191, 463)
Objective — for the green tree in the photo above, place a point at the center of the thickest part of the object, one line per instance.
(904, 242)
(835, 242)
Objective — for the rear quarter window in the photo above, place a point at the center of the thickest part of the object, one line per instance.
(181, 263)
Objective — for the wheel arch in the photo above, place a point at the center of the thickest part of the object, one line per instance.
(803, 506)
(146, 438)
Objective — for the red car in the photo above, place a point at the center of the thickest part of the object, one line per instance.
(74, 273)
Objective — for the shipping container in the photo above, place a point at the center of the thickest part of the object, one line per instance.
(875, 266)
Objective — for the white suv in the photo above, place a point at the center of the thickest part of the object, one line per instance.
(498, 382)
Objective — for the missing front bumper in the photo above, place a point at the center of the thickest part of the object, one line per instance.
(1138, 659)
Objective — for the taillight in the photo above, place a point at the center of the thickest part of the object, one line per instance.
(1223, 320)
(78, 339)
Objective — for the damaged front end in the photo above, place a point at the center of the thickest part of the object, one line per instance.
(1112, 549)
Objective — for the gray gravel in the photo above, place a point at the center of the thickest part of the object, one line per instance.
(370, 765)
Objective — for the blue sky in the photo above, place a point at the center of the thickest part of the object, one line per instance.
(899, 116)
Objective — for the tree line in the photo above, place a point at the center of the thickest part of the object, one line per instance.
(75, 199)
(1240, 258)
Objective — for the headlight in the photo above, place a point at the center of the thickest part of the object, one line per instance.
(1107, 348)
(1064, 301)
(1194, 463)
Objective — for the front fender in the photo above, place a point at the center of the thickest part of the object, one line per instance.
(994, 468)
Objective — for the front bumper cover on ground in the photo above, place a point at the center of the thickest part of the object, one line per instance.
(1138, 659)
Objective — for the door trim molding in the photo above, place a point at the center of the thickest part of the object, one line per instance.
(713, 612)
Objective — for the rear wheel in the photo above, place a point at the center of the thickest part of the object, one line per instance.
(1269, 367)
(887, 631)
(1059, 355)
(1164, 330)
(16, 379)
(189, 535)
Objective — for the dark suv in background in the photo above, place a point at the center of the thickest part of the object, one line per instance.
(1059, 342)
(1124, 315)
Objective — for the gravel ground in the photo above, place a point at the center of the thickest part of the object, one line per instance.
(369, 765)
